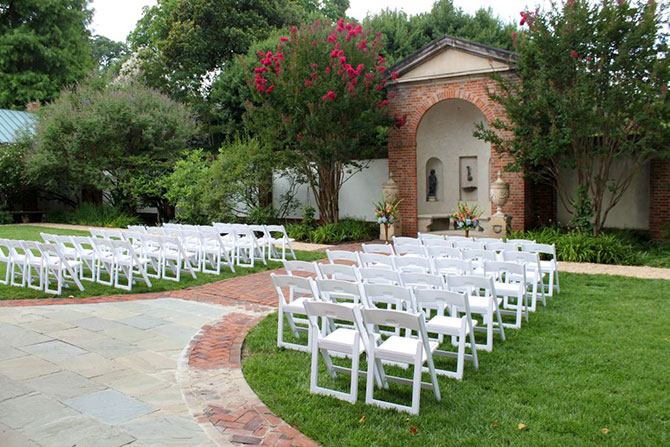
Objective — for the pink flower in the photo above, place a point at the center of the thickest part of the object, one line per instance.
(314, 43)
(330, 95)
(383, 103)
(283, 38)
(381, 60)
(293, 30)
(514, 35)
(299, 137)
(314, 65)
(260, 70)
(381, 68)
(363, 45)
(269, 90)
(308, 83)
(379, 87)
(574, 54)
(331, 38)
(401, 121)
(334, 53)
(394, 75)
(314, 76)
(327, 70)
(343, 60)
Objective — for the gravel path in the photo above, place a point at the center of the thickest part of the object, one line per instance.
(633, 271)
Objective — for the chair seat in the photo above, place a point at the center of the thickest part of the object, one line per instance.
(55, 261)
(481, 303)
(443, 324)
(547, 266)
(342, 340)
(296, 306)
(127, 260)
(507, 289)
(402, 349)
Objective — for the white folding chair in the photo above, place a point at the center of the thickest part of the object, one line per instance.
(302, 268)
(398, 349)
(337, 291)
(549, 267)
(176, 258)
(520, 241)
(387, 296)
(510, 284)
(376, 260)
(278, 237)
(422, 281)
(441, 308)
(343, 256)
(61, 268)
(453, 239)
(534, 274)
(437, 242)
(128, 263)
(382, 249)
(429, 237)
(86, 255)
(138, 228)
(483, 301)
(347, 341)
(339, 271)
(410, 250)
(300, 290)
(444, 252)
(477, 257)
(34, 264)
(17, 263)
(470, 245)
(247, 247)
(500, 246)
(407, 264)
(377, 275)
(215, 252)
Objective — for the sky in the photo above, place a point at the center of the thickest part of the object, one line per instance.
(114, 19)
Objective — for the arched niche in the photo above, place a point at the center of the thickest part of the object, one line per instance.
(435, 164)
(445, 134)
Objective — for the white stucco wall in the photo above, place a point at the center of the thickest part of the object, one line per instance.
(632, 211)
(356, 196)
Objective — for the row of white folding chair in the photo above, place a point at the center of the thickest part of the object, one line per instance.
(26, 261)
(359, 337)
(508, 279)
(167, 255)
(211, 249)
(270, 238)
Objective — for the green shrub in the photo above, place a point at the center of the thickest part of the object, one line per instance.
(261, 215)
(5, 216)
(95, 215)
(334, 233)
(578, 246)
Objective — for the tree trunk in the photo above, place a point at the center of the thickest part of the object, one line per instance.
(327, 192)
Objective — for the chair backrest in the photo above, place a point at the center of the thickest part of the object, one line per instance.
(376, 260)
(342, 255)
(389, 294)
(31, 249)
(457, 238)
(472, 284)
(333, 311)
(520, 241)
(478, 255)
(442, 251)
(4, 249)
(333, 290)
(501, 268)
(276, 232)
(338, 271)
(382, 249)
(422, 280)
(437, 243)
(394, 318)
(376, 275)
(15, 248)
(532, 260)
(98, 233)
(442, 299)
(298, 285)
(400, 240)
(450, 266)
(474, 245)
(410, 250)
(545, 249)
(500, 246)
(48, 238)
(430, 237)
(414, 264)
(138, 228)
(303, 268)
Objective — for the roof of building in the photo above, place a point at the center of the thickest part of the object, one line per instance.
(446, 42)
(12, 122)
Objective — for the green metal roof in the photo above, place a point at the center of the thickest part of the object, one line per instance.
(13, 121)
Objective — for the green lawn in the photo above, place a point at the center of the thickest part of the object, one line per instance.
(593, 368)
(31, 232)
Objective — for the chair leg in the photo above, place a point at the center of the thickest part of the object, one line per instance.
(461, 355)
(416, 383)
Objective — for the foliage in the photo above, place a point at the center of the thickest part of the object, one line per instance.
(30, 232)
(44, 46)
(308, 214)
(405, 34)
(592, 96)
(598, 330)
(465, 216)
(95, 215)
(583, 211)
(261, 215)
(107, 52)
(333, 233)
(105, 136)
(12, 167)
(321, 104)
(578, 246)
(5, 216)
(187, 187)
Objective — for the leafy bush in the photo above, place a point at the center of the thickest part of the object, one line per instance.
(5, 216)
(344, 230)
(261, 215)
(95, 215)
(578, 246)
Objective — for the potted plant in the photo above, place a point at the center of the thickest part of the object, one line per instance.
(466, 217)
(386, 213)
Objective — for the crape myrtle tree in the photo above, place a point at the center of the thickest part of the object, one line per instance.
(591, 95)
(319, 101)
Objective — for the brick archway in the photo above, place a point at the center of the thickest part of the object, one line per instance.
(413, 100)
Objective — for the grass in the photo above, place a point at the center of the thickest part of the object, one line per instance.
(31, 232)
(596, 358)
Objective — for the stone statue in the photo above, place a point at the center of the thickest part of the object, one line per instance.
(432, 185)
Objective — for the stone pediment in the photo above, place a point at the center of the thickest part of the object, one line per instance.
(450, 57)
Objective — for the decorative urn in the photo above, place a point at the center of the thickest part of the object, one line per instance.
(499, 194)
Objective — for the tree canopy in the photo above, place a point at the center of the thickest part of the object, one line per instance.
(592, 95)
(44, 46)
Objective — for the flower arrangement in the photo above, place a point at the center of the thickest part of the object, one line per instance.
(386, 214)
(466, 217)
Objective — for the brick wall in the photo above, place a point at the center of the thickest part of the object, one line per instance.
(659, 203)
(413, 100)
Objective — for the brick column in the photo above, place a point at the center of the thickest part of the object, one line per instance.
(659, 200)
